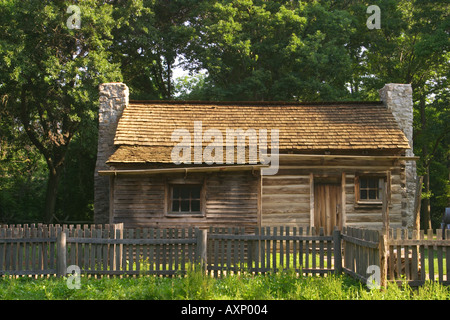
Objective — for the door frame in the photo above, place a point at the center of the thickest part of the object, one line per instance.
(340, 178)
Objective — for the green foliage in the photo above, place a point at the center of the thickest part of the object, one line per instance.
(22, 175)
(76, 189)
(190, 87)
(254, 50)
(148, 42)
(49, 75)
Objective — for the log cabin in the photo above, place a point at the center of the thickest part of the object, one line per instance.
(169, 164)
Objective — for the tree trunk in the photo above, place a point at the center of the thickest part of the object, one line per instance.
(169, 80)
(54, 175)
(417, 203)
(426, 201)
(426, 178)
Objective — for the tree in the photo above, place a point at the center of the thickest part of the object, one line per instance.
(283, 50)
(49, 74)
(148, 44)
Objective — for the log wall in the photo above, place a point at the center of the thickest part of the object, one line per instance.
(245, 199)
(288, 196)
(230, 199)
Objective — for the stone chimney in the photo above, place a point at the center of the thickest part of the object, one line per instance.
(113, 99)
(398, 99)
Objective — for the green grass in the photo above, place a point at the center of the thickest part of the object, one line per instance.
(195, 286)
(435, 263)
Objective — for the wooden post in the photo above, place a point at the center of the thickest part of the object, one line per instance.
(337, 251)
(202, 236)
(384, 236)
(311, 200)
(61, 261)
(255, 250)
(383, 259)
(343, 217)
(416, 230)
(118, 247)
(111, 198)
(385, 207)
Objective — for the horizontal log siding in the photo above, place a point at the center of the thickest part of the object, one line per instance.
(231, 199)
(285, 200)
(286, 195)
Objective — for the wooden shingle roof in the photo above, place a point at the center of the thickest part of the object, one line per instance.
(145, 128)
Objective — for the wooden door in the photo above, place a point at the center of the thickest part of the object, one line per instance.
(327, 206)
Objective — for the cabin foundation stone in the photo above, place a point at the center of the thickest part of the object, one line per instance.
(113, 98)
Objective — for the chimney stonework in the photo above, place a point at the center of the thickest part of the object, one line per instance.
(113, 100)
(398, 99)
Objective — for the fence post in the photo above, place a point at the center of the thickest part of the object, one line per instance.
(337, 251)
(201, 254)
(118, 247)
(61, 262)
(383, 243)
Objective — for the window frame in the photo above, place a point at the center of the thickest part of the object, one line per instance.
(170, 184)
(372, 202)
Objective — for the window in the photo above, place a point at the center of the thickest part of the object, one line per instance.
(185, 199)
(369, 189)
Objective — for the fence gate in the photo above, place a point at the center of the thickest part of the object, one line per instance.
(361, 250)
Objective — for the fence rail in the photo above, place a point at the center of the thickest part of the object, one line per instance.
(43, 250)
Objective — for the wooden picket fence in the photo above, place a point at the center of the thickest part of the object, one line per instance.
(401, 255)
(96, 250)
(27, 250)
(417, 257)
(111, 250)
(119, 251)
(269, 249)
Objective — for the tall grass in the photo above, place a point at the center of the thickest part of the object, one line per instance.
(285, 285)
